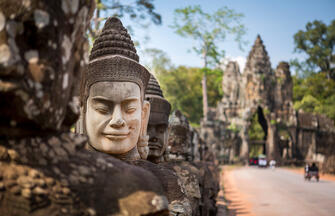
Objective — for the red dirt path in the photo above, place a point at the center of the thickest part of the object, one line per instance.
(235, 200)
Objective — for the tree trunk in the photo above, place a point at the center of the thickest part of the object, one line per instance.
(204, 96)
(204, 88)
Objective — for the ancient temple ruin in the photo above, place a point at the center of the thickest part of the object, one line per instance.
(288, 135)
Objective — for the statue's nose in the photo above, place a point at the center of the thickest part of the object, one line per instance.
(117, 120)
(153, 139)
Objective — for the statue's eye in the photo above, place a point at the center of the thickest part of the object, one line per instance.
(102, 109)
(161, 128)
(130, 109)
(130, 106)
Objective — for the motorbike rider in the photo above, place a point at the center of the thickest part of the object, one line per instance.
(314, 168)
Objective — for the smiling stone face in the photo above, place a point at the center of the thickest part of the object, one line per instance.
(114, 116)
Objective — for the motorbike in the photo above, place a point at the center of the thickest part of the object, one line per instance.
(310, 174)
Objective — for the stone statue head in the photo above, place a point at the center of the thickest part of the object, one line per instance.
(115, 112)
(179, 137)
(42, 52)
(158, 122)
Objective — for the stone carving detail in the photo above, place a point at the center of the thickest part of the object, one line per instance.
(158, 122)
(231, 84)
(114, 110)
(30, 75)
(179, 203)
(45, 169)
(197, 180)
(179, 137)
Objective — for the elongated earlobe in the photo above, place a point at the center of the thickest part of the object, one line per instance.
(145, 117)
(142, 144)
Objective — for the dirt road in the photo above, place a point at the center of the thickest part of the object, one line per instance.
(262, 192)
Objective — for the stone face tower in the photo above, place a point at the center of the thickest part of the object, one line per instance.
(231, 82)
(258, 82)
(283, 92)
(257, 76)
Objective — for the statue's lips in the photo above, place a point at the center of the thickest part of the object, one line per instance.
(116, 135)
(154, 145)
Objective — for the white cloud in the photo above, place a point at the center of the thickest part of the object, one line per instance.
(241, 60)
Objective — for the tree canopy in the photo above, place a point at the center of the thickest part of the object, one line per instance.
(318, 43)
(315, 94)
(314, 83)
(208, 30)
(181, 88)
(180, 85)
(140, 12)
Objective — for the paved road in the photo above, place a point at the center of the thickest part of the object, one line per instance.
(281, 192)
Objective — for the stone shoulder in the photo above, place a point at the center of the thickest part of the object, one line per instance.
(57, 176)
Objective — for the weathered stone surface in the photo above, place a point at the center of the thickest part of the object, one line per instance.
(179, 137)
(195, 144)
(78, 181)
(211, 132)
(196, 179)
(209, 187)
(231, 81)
(175, 192)
(44, 169)
(31, 67)
(158, 122)
(188, 180)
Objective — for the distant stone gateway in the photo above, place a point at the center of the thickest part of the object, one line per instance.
(289, 135)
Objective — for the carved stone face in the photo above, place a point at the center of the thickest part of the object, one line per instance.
(115, 116)
(179, 135)
(158, 137)
(179, 139)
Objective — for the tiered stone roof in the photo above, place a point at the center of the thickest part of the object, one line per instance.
(258, 60)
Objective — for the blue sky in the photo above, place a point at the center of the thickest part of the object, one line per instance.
(275, 20)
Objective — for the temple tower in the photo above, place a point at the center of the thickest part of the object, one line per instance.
(258, 82)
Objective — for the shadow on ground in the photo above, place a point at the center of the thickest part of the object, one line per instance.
(229, 201)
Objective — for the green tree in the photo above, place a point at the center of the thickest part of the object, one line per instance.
(208, 30)
(308, 104)
(140, 12)
(318, 42)
(156, 60)
(315, 94)
(181, 88)
(180, 85)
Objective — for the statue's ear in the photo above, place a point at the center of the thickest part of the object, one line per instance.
(166, 137)
(145, 117)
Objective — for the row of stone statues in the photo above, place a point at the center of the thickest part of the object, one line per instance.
(47, 170)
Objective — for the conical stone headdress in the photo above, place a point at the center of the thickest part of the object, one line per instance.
(159, 107)
(113, 58)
